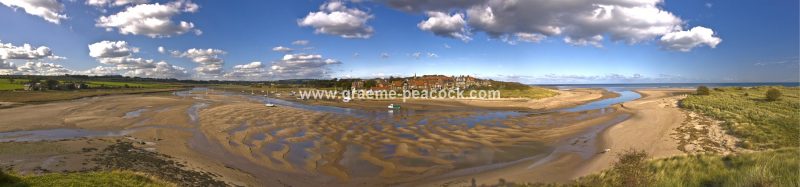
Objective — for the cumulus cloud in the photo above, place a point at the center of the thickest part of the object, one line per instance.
(208, 60)
(687, 40)
(41, 68)
(385, 55)
(301, 42)
(50, 10)
(25, 52)
(299, 66)
(32, 57)
(120, 56)
(111, 49)
(250, 71)
(162, 50)
(335, 18)
(581, 22)
(441, 24)
(152, 20)
(113, 3)
(282, 49)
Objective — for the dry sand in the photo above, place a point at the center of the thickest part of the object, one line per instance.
(651, 129)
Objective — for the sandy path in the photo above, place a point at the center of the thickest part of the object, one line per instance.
(655, 118)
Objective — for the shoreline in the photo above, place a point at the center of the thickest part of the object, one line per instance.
(655, 118)
(158, 110)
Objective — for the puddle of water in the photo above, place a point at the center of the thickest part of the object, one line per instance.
(134, 114)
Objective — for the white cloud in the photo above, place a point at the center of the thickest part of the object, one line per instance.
(110, 49)
(50, 10)
(208, 60)
(686, 40)
(301, 42)
(385, 55)
(41, 68)
(282, 49)
(162, 50)
(250, 71)
(113, 3)
(335, 18)
(298, 66)
(152, 20)
(25, 52)
(441, 24)
(433, 55)
(580, 22)
(120, 56)
(33, 57)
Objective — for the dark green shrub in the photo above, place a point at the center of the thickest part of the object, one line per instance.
(773, 94)
(703, 90)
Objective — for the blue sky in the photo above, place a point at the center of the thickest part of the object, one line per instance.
(753, 41)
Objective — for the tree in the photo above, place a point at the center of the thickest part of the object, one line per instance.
(703, 90)
(631, 169)
(773, 94)
(51, 84)
(11, 80)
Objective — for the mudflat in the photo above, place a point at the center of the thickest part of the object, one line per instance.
(242, 142)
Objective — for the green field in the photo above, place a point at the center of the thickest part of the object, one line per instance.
(6, 84)
(530, 93)
(96, 84)
(18, 84)
(108, 178)
(48, 96)
(746, 113)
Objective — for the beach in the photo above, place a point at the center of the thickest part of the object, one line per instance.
(429, 143)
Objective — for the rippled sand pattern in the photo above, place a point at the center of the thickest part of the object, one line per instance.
(399, 146)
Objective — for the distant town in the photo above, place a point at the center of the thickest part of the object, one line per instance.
(425, 82)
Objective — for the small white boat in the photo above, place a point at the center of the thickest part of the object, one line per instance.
(269, 105)
(394, 106)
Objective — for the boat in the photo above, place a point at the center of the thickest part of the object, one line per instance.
(269, 105)
(346, 99)
(394, 106)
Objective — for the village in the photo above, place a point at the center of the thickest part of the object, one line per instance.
(425, 82)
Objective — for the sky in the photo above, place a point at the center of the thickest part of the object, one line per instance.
(529, 41)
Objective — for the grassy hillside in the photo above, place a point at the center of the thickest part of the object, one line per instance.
(530, 93)
(6, 84)
(768, 168)
(97, 84)
(111, 178)
(48, 96)
(761, 124)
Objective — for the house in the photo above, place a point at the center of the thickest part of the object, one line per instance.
(33, 86)
(359, 84)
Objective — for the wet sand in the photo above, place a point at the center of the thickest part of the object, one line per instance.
(246, 143)
(564, 99)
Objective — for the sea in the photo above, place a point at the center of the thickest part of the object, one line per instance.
(669, 85)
